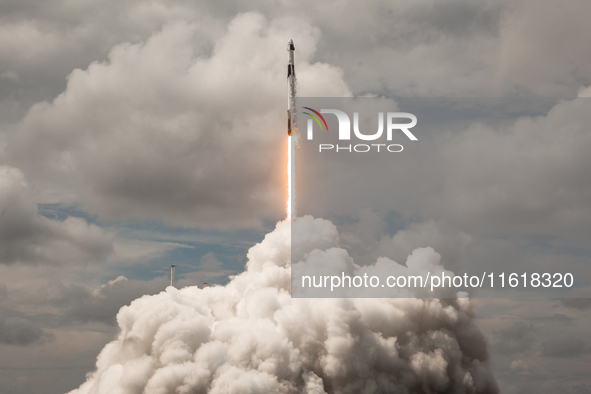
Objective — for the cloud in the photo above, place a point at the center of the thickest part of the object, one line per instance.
(210, 263)
(531, 31)
(448, 241)
(406, 48)
(425, 47)
(252, 336)
(162, 131)
(559, 319)
(516, 338)
(471, 179)
(458, 48)
(18, 331)
(576, 303)
(11, 384)
(532, 181)
(39, 47)
(584, 92)
(78, 304)
(27, 237)
(564, 346)
(518, 178)
(3, 293)
(142, 250)
(413, 48)
(581, 389)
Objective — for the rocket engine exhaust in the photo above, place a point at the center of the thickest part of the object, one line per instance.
(291, 124)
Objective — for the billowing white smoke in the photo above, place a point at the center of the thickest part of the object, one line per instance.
(250, 336)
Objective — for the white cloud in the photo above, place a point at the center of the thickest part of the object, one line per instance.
(162, 131)
(252, 336)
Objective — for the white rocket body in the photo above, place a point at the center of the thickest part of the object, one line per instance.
(291, 93)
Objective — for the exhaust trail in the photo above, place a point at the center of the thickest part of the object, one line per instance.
(292, 134)
(290, 178)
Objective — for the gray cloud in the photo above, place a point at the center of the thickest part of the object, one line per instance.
(459, 18)
(557, 319)
(11, 384)
(78, 304)
(19, 331)
(27, 237)
(516, 338)
(426, 28)
(577, 303)
(121, 160)
(409, 48)
(142, 104)
(531, 181)
(210, 263)
(506, 195)
(3, 292)
(161, 131)
(476, 174)
(41, 45)
(459, 48)
(564, 346)
(581, 389)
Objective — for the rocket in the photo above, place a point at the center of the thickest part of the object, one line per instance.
(291, 88)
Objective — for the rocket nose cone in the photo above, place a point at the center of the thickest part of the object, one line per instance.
(290, 46)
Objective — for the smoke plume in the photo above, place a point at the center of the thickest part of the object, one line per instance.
(250, 336)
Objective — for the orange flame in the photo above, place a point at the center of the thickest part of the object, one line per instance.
(290, 178)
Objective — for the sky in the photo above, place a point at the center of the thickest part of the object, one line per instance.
(137, 135)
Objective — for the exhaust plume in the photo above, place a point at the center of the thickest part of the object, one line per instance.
(250, 336)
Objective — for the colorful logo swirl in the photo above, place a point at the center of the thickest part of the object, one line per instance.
(315, 117)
